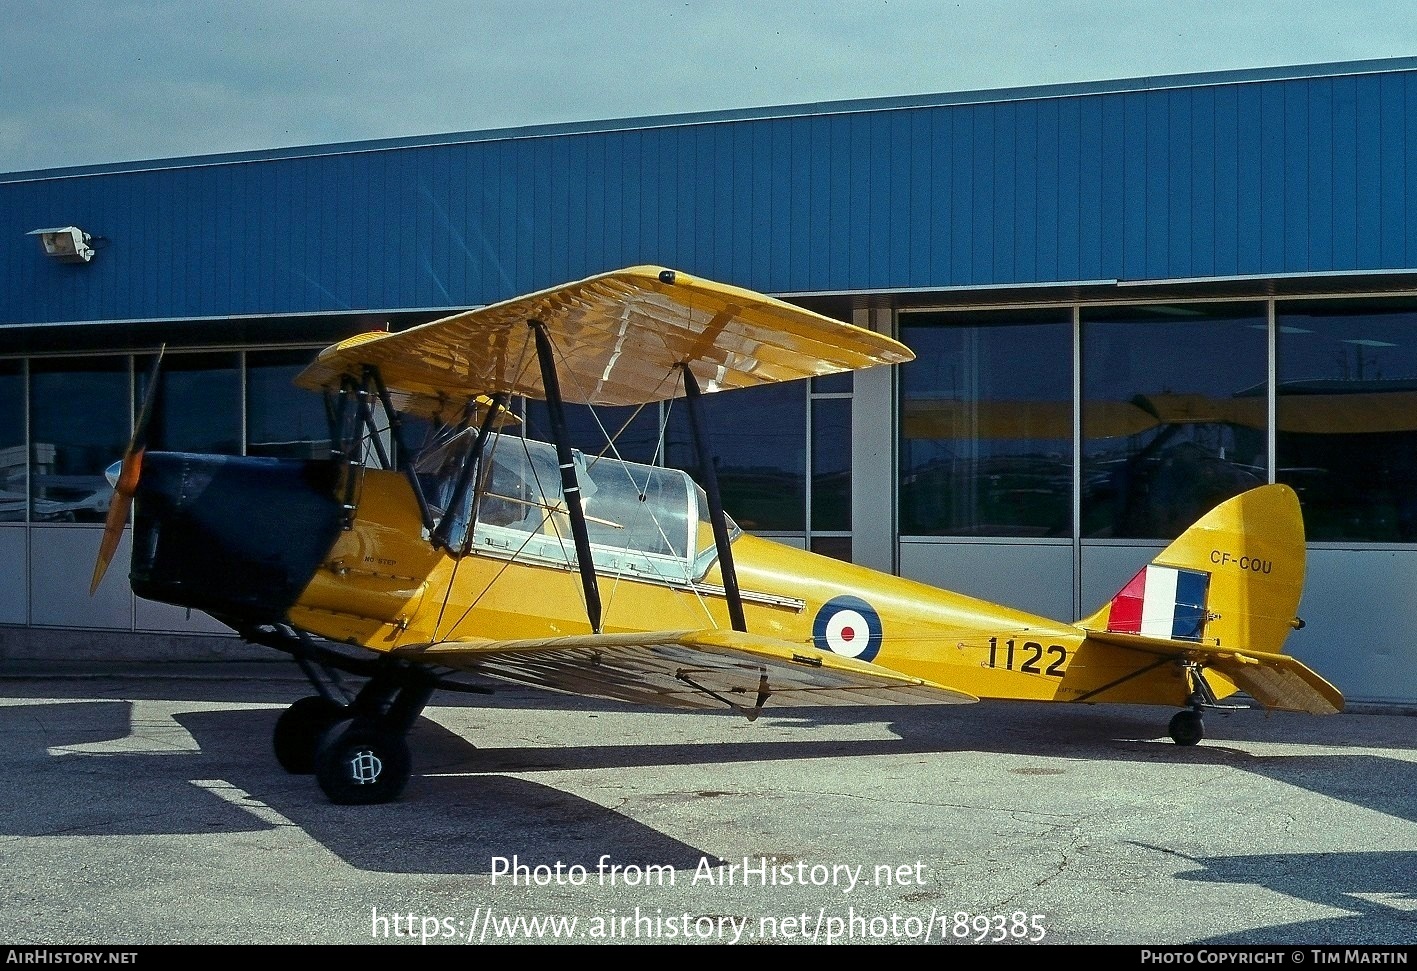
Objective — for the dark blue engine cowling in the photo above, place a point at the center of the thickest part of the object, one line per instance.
(236, 536)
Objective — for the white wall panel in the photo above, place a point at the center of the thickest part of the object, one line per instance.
(1037, 578)
(153, 616)
(1359, 613)
(14, 576)
(61, 566)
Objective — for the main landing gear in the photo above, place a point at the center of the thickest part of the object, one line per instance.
(355, 743)
(1187, 727)
(356, 749)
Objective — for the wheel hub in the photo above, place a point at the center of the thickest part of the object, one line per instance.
(365, 767)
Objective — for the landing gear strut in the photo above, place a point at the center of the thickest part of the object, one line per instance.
(1187, 727)
(354, 743)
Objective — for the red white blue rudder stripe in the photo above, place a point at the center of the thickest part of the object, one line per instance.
(1162, 601)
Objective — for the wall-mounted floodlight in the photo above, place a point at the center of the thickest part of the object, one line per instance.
(69, 244)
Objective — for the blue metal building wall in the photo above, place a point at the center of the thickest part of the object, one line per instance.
(1252, 177)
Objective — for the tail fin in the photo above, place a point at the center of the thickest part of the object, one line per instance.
(1233, 580)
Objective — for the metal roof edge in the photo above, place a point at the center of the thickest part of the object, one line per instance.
(763, 113)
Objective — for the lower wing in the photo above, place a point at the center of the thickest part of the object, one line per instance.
(689, 669)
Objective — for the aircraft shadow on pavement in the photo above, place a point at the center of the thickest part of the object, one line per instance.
(1375, 889)
(479, 812)
(443, 825)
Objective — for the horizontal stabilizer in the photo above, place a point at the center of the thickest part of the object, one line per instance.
(1274, 680)
(689, 669)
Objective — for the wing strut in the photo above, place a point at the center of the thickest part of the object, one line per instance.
(709, 474)
(570, 486)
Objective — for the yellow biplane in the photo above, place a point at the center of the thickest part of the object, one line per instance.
(494, 557)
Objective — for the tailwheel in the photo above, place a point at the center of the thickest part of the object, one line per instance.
(360, 762)
(1187, 728)
(299, 729)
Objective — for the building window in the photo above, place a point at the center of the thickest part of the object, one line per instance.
(1173, 414)
(831, 464)
(986, 424)
(759, 444)
(79, 417)
(199, 405)
(634, 430)
(282, 420)
(14, 490)
(1346, 410)
(759, 441)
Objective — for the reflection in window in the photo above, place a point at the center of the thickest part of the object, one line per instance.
(831, 464)
(759, 445)
(1173, 414)
(837, 547)
(198, 408)
(840, 383)
(1346, 406)
(79, 417)
(986, 424)
(13, 467)
(281, 419)
(635, 430)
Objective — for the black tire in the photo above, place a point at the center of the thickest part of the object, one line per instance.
(359, 763)
(299, 729)
(1187, 728)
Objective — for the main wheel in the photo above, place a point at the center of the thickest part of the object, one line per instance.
(298, 732)
(360, 763)
(1187, 728)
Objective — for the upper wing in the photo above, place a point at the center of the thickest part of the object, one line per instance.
(1274, 680)
(618, 337)
(689, 669)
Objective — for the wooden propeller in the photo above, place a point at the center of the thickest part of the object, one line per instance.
(127, 484)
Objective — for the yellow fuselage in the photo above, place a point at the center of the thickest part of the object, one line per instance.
(384, 586)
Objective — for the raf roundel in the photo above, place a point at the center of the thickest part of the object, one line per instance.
(848, 626)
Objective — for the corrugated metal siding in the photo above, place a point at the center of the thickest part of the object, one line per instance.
(1284, 176)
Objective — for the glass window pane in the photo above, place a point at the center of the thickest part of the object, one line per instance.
(838, 547)
(833, 383)
(831, 464)
(634, 430)
(79, 418)
(13, 467)
(281, 419)
(986, 424)
(198, 408)
(1346, 407)
(759, 441)
(1173, 414)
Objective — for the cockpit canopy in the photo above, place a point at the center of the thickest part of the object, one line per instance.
(642, 520)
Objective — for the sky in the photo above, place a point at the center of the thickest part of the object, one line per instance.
(87, 82)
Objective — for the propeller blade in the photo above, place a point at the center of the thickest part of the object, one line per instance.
(126, 484)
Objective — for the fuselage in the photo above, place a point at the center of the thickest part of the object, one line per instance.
(377, 581)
